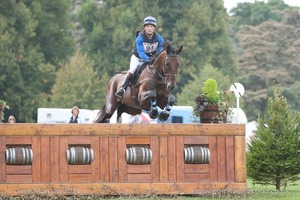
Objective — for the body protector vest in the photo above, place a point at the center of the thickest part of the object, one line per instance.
(150, 45)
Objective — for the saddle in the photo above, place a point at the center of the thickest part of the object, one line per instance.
(138, 72)
(133, 91)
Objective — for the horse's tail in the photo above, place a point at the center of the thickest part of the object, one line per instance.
(100, 116)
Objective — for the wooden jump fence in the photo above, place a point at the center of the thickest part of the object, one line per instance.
(114, 159)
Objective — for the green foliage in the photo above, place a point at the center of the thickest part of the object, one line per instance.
(21, 62)
(213, 95)
(205, 39)
(77, 84)
(111, 31)
(210, 90)
(52, 33)
(266, 36)
(194, 86)
(273, 156)
(36, 39)
(2, 106)
(256, 13)
(269, 52)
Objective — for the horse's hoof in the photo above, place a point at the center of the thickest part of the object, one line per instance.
(171, 100)
(153, 114)
(119, 121)
(163, 116)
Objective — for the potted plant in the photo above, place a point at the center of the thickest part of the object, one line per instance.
(213, 106)
(2, 107)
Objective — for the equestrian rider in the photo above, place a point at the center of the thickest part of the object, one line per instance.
(147, 43)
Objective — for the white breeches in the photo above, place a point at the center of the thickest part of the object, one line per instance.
(134, 62)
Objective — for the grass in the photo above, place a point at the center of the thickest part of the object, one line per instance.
(257, 192)
(292, 192)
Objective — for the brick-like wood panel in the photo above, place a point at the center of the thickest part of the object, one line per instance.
(95, 145)
(36, 162)
(2, 160)
(54, 159)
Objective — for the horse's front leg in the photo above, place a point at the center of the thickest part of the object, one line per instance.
(147, 101)
(153, 113)
(164, 115)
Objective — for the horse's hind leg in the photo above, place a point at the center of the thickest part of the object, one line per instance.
(119, 114)
(123, 108)
(164, 115)
(102, 116)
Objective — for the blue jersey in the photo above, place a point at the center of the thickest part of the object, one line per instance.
(145, 47)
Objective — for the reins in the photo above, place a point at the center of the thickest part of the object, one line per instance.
(161, 75)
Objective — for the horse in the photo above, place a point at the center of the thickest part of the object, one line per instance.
(150, 90)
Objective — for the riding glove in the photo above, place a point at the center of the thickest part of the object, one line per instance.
(151, 60)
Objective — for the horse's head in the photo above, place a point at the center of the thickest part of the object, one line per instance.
(170, 66)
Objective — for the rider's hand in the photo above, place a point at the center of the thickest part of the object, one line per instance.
(151, 60)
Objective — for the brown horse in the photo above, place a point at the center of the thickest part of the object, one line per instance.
(149, 91)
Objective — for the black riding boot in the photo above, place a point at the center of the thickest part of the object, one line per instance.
(125, 84)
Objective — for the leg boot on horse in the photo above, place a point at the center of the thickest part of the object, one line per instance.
(164, 115)
(153, 113)
(125, 84)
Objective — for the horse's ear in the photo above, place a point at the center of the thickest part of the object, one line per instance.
(179, 50)
(168, 48)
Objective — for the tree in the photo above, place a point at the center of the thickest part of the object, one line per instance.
(53, 30)
(111, 31)
(270, 51)
(33, 40)
(256, 13)
(273, 156)
(23, 71)
(77, 84)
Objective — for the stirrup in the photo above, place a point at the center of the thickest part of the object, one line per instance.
(120, 93)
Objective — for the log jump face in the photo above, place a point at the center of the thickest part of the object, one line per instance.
(121, 158)
(80, 155)
(196, 155)
(138, 155)
(18, 156)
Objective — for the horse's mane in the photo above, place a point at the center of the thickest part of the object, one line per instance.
(165, 44)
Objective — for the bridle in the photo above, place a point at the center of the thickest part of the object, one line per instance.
(165, 75)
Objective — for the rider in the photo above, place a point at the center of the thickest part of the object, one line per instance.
(147, 43)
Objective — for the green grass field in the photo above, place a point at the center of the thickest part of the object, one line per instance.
(257, 192)
(292, 192)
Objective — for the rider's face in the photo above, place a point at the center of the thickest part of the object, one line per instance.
(149, 29)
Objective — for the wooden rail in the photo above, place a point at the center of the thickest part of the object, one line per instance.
(109, 172)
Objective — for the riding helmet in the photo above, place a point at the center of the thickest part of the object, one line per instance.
(149, 20)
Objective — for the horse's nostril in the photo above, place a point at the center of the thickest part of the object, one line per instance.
(170, 87)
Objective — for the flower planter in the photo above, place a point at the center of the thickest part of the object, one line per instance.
(1, 113)
(211, 115)
(2, 107)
